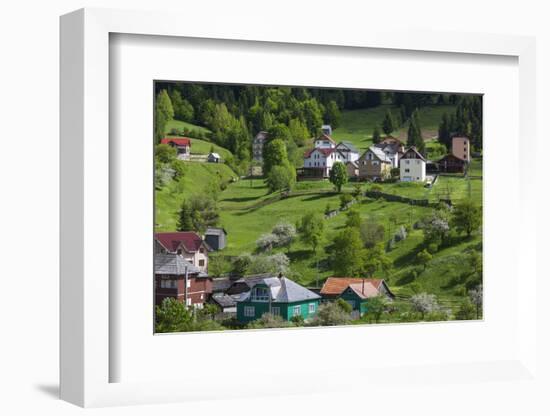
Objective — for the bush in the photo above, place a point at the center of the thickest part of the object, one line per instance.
(330, 314)
(268, 321)
(345, 199)
(346, 307)
(298, 320)
(376, 188)
(466, 312)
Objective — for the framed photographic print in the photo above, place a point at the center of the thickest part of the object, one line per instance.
(297, 197)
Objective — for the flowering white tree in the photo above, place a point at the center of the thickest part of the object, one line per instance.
(267, 241)
(476, 296)
(424, 303)
(285, 233)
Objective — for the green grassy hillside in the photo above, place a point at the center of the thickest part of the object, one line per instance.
(181, 125)
(197, 176)
(357, 126)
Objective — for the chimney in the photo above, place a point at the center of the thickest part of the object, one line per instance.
(280, 275)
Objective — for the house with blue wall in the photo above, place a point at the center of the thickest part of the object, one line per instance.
(278, 296)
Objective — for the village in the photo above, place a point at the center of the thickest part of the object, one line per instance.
(236, 300)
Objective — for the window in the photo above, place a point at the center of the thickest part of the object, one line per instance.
(249, 311)
(168, 284)
(201, 250)
(275, 310)
(260, 294)
(179, 251)
(201, 262)
(312, 308)
(375, 163)
(418, 162)
(407, 170)
(297, 310)
(407, 161)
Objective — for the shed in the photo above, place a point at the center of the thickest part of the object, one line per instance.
(214, 158)
(216, 238)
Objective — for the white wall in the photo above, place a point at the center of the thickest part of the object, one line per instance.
(29, 113)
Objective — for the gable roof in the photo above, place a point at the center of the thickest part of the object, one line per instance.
(173, 264)
(324, 136)
(214, 154)
(336, 285)
(284, 290)
(215, 231)
(451, 156)
(353, 163)
(349, 145)
(179, 141)
(378, 153)
(190, 240)
(413, 149)
(364, 290)
(225, 301)
(324, 150)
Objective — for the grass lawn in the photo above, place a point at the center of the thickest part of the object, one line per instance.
(180, 125)
(202, 147)
(357, 126)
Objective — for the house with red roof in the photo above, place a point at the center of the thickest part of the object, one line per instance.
(182, 145)
(335, 286)
(187, 244)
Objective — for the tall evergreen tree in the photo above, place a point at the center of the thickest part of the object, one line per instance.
(388, 125)
(376, 135)
(164, 112)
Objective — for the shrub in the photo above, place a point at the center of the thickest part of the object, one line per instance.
(345, 199)
(266, 242)
(346, 307)
(424, 303)
(466, 312)
(376, 188)
(330, 314)
(298, 320)
(269, 320)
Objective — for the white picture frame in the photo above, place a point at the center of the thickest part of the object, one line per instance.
(85, 345)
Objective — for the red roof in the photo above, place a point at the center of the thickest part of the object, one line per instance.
(336, 285)
(171, 241)
(323, 150)
(179, 141)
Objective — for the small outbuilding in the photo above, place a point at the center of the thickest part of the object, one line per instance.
(216, 238)
(214, 158)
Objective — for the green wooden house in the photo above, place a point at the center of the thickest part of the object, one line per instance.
(358, 294)
(278, 296)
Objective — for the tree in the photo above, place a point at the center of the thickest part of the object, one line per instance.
(285, 233)
(467, 311)
(330, 314)
(345, 199)
(346, 307)
(217, 266)
(338, 175)
(298, 131)
(372, 233)
(476, 296)
(274, 154)
(280, 178)
(347, 253)
(436, 227)
(198, 213)
(466, 217)
(375, 259)
(356, 191)
(266, 242)
(183, 110)
(240, 265)
(376, 135)
(388, 124)
(172, 316)
(414, 133)
(332, 114)
(310, 229)
(444, 132)
(376, 306)
(424, 303)
(353, 219)
(164, 112)
(165, 153)
(423, 258)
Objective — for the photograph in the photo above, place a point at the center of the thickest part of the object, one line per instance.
(293, 207)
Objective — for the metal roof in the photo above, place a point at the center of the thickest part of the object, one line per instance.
(349, 145)
(284, 290)
(225, 301)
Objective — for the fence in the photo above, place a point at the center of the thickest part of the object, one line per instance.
(404, 199)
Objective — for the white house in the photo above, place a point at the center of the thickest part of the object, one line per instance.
(324, 141)
(323, 159)
(348, 150)
(412, 166)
